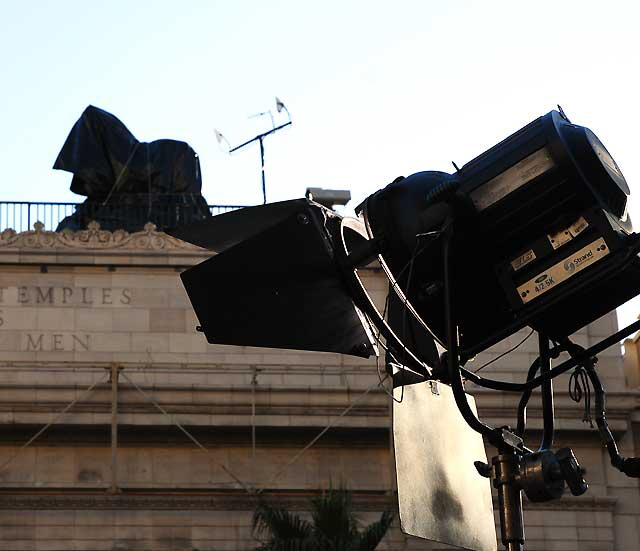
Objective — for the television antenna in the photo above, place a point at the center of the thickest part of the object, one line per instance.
(280, 106)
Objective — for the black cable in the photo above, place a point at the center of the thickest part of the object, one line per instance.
(376, 335)
(364, 302)
(409, 265)
(578, 388)
(565, 366)
(453, 364)
(505, 353)
(546, 393)
(387, 351)
(404, 311)
(600, 402)
(526, 395)
(630, 466)
(428, 238)
(627, 465)
(524, 400)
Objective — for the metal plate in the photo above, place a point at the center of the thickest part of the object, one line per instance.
(563, 270)
(522, 260)
(441, 496)
(280, 288)
(512, 179)
(560, 238)
(224, 231)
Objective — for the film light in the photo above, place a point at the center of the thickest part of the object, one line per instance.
(540, 232)
(532, 232)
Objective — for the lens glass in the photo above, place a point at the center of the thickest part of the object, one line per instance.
(607, 161)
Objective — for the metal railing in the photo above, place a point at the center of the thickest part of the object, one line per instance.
(22, 215)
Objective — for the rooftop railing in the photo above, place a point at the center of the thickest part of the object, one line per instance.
(21, 215)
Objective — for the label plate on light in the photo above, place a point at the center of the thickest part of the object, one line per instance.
(563, 270)
(523, 260)
(560, 238)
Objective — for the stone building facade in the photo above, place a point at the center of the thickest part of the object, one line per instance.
(155, 440)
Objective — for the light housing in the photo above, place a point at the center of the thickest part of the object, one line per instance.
(540, 237)
(524, 214)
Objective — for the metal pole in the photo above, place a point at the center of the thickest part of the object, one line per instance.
(115, 371)
(547, 393)
(505, 471)
(264, 185)
(254, 382)
(260, 138)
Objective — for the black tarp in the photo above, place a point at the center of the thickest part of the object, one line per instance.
(129, 183)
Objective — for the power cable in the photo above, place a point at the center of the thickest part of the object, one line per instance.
(394, 285)
(578, 388)
(505, 353)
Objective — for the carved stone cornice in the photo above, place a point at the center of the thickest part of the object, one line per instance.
(570, 503)
(94, 239)
(236, 500)
(230, 500)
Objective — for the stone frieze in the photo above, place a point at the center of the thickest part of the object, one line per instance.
(93, 238)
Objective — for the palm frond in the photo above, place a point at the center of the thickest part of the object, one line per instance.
(373, 534)
(279, 523)
(306, 544)
(334, 526)
(333, 519)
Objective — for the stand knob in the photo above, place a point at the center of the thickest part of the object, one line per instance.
(631, 467)
(540, 476)
(572, 471)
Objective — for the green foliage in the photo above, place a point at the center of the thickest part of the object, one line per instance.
(333, 526)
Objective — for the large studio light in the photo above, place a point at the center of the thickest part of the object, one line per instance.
(533, 232)
(539, 228)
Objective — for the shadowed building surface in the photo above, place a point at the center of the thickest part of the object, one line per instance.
(107, 312)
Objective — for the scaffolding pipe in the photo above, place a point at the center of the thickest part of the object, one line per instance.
(115, 372)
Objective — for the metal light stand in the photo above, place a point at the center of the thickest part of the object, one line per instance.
(260, 138)
(508, 467)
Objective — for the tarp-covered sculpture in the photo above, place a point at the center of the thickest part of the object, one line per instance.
(129, 183)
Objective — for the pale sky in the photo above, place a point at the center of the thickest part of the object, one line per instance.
(375, 89)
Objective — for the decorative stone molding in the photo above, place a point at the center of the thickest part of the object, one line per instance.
(92, 239)
(219, 499)
(228, 499)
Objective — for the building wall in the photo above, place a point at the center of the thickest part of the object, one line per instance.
(77, 308)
